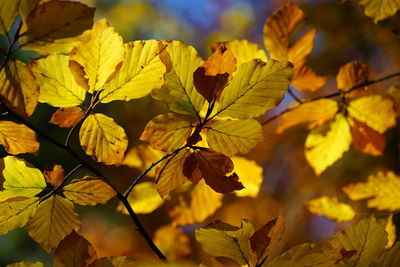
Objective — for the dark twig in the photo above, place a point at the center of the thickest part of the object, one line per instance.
(295, 97)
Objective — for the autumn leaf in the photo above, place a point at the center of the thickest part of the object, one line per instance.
(366, 139)
(141, 157)
(167, 132)
(18, 138)
(54, 174)
(376, 111)
(380, 9)
(242, 50)
(74, 250)
(102, 138)
(179, 92)
(18, 88)
(302, 48)
(251, 176)
(391, 230)
(314, 113)
(67, 117)
(54, 219)
(8, 14)
(88, 191)
(57, 85)
(256, 87)
(97, 56)
(26, 264)
(234, 136)
(389, 257)
(202, 203)
(143, 198)
(324, 149)
(381, 190)
(179, 248)
(367, 238)
(21, 179)
(331, 208)
(223, 240)
(352, 74)
(69, 19)
(305, 79)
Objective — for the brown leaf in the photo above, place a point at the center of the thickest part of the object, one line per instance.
(67, 117)
(305, 79)
(191, 169)
(54, 174)
(351, 74)
(366, 139)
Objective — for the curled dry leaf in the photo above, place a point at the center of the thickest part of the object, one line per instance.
(54, 174)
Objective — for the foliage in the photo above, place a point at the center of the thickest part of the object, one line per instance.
(196, 151)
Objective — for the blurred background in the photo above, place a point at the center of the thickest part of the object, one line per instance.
(344, 34)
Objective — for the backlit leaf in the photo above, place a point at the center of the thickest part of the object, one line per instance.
(223, 240)
(18, 138)
(234, 136)
(381, 189)
(175, 250)
(242, 50)
(322, 149)
(18, 88)
(103, 139)
(8, 14)
(54, 174)
(376, 111)
(68, 20)
(391, 230)
(302, 48)
(57, 85)
(54, 219)
(67, 117)
(169, 174)
(366, 139)
(26, 264)
(331, 208)
(305, 79)
(144, 198)
(256, 87)
(97, 56)
(21, 179)
(167, 132)
(178, 91)
(142, 71)
(389, 257)
(141, 157)
(368, 238)
(314, 113)
(251, 176)
(380, 9)
(203, 202)
(88, 191)
(352, 74)
(16, 213)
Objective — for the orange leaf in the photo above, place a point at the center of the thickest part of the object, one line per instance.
(302, 48)
(351, 74)
(67, 117)
(366, 139)
(54, 174)
(305, 79)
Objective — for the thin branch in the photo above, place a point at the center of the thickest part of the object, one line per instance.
(71, 131)
(4, 113)
(295, 97)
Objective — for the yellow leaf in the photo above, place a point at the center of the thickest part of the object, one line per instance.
(223, 240)
(54, 219)
(203, 202)
(367, 238)
(331, 208)
(18, 88)
(167, 132)
(141, 157)
(391, 230)
(314, 113)
(380, 9)
(324, 149)
(389, 258)
(367, 140)
(8, 14)
(67, 117)
(18, 138)
(26, 264)
(88, 191)
(352, 74)
(169, 174)
(74, 250)
(305, 79)
(103, 139)
(142, 71)
(175, 250)
(68, 20)
(178, 91)
(234, 136)
(122, 261)
(21, 179)
(306, 255)
(57, 85)
(374, 110)
(382, 191)
(16, 213)
(251, 176)
(256, 87)
(97, 56)
(144, 198)
(302, 48)
(242, 50)
(278, 27)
